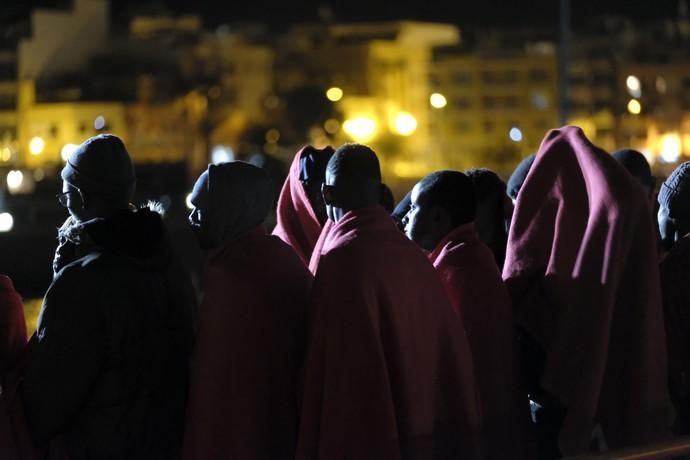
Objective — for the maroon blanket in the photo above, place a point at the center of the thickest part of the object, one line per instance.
(243, 401)
(388, 373)
(582, 272)
(474, 286)
(297, 223)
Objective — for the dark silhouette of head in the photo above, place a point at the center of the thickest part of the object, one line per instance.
(387, 198)
(440, 202)
(230, 199)
(353, 180)
(674, 206)
(637, 165)
(313, 163)
(518, 177)
(494, 210)
(98, 178)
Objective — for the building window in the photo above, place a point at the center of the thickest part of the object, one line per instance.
(488, 126)
(462, 103)
(461, 77)
(53, 131)
(463, 126)
(538, 76)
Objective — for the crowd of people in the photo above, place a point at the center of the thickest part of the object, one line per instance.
(538, 319)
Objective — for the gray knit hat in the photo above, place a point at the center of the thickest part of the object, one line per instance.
(674, 193)
(101, 164)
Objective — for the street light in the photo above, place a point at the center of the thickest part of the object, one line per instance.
(634, 107)
(36, 145)
(438, 100)
(361, 128)
(334, 94)
(405, 124)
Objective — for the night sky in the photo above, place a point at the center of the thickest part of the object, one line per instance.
(462, 12)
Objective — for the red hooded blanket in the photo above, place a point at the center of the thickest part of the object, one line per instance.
(243, 401)
(582, 271)
(388, 372)
(297, 223)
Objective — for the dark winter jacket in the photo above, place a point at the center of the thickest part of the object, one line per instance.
(107, 369)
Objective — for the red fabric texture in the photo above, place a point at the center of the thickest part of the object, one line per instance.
(243, 400)
(297, 223)
(15, 442)
(318, 247)
(474, 286)
(388, 373)
(582, 272)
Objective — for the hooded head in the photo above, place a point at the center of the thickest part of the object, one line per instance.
(637, 165)
(98, 179)
(312, 173)
(229, 200)
(674, 206)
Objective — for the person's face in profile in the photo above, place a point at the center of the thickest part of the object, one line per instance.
(667, 227)
(198, 218)
(420, 221)
(73, 200)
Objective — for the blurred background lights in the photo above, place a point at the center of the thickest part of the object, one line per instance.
(670, 147)
(331, 126)
(272, 135)
(36, 145)
(515, 134)
(405, 124)
(6, 222)
(222, 154)
(361, 128)
(634, 86)
(67, 150)
(438, 100)
(634, 107)
(334, 94)
(99, 123)
(15, 179)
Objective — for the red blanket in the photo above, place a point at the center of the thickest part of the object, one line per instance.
(297, 223)
(582, 272)
(388, 372)
(243, 402)
(473, 283)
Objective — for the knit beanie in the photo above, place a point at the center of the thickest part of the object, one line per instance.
(102, 165)
(518, 177)
(674, 193)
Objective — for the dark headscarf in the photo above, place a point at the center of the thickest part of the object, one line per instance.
(518, 177)
(313, 162)
(238, 198)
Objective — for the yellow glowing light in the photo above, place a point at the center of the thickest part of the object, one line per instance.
(36, 145)
(15, 179)
(6, 154)
(671, 147)
(405, 124)
(634, 107)
(334, 94)
(633, 83)
(67, 150)
(438, 100)
(361, 129)
(331, 126)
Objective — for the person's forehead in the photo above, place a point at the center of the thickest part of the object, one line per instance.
(416, 191)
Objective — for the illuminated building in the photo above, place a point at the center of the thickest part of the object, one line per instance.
(499, 104)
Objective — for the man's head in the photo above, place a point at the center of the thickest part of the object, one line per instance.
(353, 180)
(229, 200)
(674, 206)
(518, 177)
(494, 208)
(439, 203)
(637, 165)
(98, 179)
(312, 174)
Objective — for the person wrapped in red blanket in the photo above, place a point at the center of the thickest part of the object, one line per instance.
(243, 401)
(582, 273)
(388, 373)
(441, 221)
(301, 212)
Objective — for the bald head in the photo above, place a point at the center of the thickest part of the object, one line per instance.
(353, 180)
